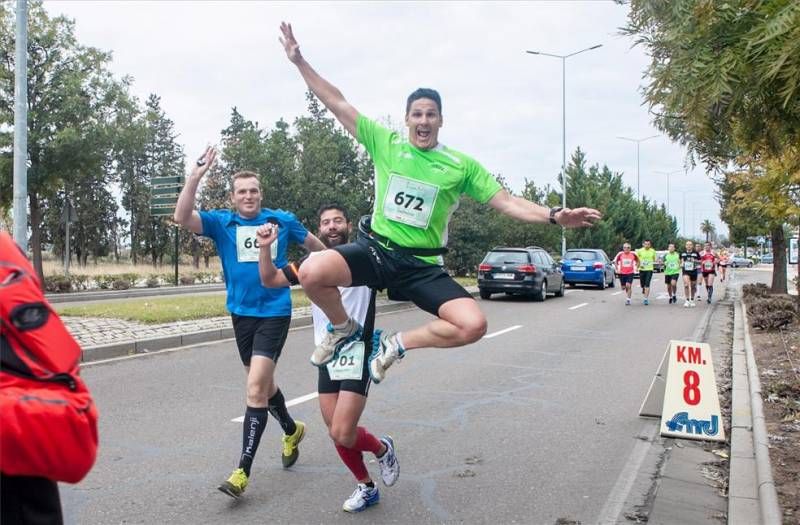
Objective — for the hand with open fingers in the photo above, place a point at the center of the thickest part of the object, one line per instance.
(290, 45)
(266, 235)
(206, 161)
(578, 218)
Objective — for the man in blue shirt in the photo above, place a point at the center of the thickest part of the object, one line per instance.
(260, 316)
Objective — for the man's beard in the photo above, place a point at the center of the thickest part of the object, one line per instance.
(329, 242)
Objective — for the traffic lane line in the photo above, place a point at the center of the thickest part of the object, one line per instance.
(314, 395)
(577, 306)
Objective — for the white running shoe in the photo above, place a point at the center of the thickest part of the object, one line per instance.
(390, 468)
(692, 304)
(385, 351)
(627, 302)
(333, 341)
(361, 498)
(686, 304)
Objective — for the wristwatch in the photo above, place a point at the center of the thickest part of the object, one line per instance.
(553, 212)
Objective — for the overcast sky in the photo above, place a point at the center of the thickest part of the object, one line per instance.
(500, 105)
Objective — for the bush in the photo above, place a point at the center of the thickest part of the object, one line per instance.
(772, 312)
(168, 278)
(205, 277)
(132, 277)
(105, 281)
(153, 281)
(186, 279)
(754, 291)
(121, 284)
(57, 283)
(79, 281)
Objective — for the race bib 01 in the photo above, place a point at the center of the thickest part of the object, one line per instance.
(349, 364)
(247, 245)
(409, 201)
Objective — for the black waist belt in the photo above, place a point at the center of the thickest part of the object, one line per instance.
(422, 252)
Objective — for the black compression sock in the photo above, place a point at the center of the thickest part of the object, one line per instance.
(255, 421)
(277, 407)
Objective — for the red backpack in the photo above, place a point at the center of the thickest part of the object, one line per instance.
(48, 421)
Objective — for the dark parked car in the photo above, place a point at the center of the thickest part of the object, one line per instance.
(588, 266)
(520, 271)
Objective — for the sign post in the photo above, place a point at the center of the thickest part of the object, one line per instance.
(685, 387)
(164, 197)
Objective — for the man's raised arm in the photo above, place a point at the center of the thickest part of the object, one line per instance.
(329, 94)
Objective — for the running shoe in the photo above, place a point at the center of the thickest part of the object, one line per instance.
(692, 304)
(709, 300)
(361, 498)
(385, 351)
(390, 468)
(646, 302)
(290, 451)
(333, 341)
(686, 304)
(235, 485)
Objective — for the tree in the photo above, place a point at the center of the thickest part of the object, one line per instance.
(71, 100)
(708, 229)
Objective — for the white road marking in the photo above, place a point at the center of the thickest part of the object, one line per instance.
(616, 293)
(575, 290)
(501, 332)
(290, 403)
(577, 306)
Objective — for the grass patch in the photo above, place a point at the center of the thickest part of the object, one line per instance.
(155, 310)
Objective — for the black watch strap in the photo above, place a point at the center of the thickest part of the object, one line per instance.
(553, 212)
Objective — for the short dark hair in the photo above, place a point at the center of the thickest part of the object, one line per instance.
(424, 93)
(332, 206)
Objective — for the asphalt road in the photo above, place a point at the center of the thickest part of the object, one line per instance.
(537, 421)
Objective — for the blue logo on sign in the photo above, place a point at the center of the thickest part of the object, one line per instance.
(680, 422)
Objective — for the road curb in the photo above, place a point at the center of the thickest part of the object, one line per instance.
(752, 497)
(72, 297)
(156, 344)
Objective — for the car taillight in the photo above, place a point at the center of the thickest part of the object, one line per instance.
(484, 267)
(527, 268)
(598, 265)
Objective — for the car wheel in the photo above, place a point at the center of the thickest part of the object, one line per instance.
(749, 265)
(571, 285)
(613, 283)
(603, 283)
(541, 294)
(485, 295)
(560, 291)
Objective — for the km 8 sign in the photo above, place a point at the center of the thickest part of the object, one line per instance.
(691, 402)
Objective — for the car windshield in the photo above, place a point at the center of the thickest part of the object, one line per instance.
(506, 258)
(581, 256)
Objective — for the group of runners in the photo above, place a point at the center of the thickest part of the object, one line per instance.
(418, 184)
(690, 264)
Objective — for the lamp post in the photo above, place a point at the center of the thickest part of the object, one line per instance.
(638, 141)
(564, 128)
(668, 173)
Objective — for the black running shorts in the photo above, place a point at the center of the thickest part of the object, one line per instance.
(262, 336)
(625, 278)
(706, 274)
(325, 385)
(645, 276)
(426, 285)
(671, 278)
(692, 275)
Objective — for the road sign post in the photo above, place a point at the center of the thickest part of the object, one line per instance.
(163, 198)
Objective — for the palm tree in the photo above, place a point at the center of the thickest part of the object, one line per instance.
(708, 228)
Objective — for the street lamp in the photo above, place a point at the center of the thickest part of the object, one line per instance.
(668, 173)
(638, 141)
(564, 128)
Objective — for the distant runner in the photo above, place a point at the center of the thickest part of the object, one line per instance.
(626, 262)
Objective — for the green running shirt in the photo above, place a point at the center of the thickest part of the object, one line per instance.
(646, 259)
(416, 190)
(672, 263)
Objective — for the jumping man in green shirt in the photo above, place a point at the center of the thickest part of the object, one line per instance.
(418, 183)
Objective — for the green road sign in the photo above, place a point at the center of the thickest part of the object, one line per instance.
(163, 181)
(160, 212)
(166, 191)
